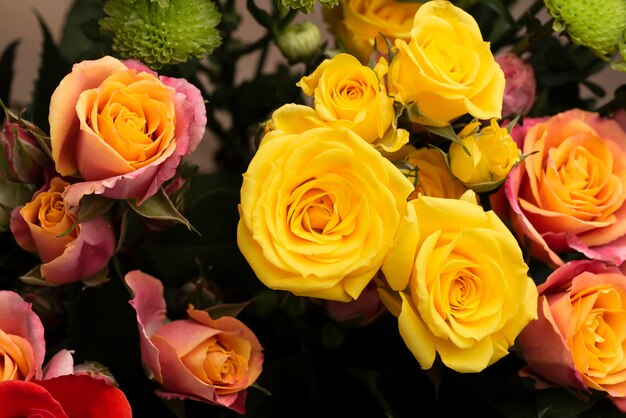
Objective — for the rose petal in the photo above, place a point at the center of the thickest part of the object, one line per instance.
(83, 257)
(18, 318)
(64, 124)
(149, 304)
(82, 396)
(61, 364)
(24, 399)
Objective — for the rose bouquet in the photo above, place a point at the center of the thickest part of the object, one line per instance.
(412, 209)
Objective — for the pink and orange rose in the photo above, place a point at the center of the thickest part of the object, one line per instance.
(42, 226)
(200, 358)
(570, 195)
(122, 128)
(579, 339)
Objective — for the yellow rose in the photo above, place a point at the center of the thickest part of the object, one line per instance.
(493, 154)
(348, 94)
(458, 284)
(446, 69)
(319, 211)
(433, 176)
(357, 23)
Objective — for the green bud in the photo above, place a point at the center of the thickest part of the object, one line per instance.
(300, 42)
(21, 157)
(598, 25)
(306, 5)
(162, 32)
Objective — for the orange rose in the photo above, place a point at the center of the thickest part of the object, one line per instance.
(570, 195)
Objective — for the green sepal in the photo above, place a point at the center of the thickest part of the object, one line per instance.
(160, 207)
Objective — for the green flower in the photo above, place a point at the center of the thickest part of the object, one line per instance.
(306, 5)
(599, 25)
(162, 32)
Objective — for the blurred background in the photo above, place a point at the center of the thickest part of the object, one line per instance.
(18, 22)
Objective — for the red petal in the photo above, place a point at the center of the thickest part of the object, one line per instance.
(22, 399)
(84, 397)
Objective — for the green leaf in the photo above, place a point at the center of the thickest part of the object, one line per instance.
(74, 41)
(51, 71)
(97, 279)
(226, 309)
(160, 207)
(447, 132)
(500, 8)
(564, 403)
(34, 277)
(91, 206)
(7, 61)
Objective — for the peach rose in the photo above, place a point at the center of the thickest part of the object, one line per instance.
(22, 344)
(570, 195)
(579, 339)
(199, 358)
(122, 128)
(40, 224)
(357, 24)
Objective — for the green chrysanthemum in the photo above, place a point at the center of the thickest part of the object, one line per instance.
(306, 5)
(164, 31)
(599, 25)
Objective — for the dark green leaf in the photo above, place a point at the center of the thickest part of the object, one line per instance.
(34, 277)
(448, 133)
(91, 206)
(52, 69)
(500, 8)
(226, 309)
(7, 61)
(160, 207)
(74, 42)
(560, 402)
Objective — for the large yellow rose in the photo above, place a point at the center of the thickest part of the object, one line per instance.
(348, 94)
(446, 69)
(358, 23)
(319, 211)
(458, 284)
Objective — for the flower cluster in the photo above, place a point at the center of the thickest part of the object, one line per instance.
(420, 201)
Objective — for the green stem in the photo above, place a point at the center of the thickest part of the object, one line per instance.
(528, 42)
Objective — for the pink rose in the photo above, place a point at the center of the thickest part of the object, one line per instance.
(570, 195)
(68, 396)
(21, 339)
(520, 86)
(198, 358)
(579, 339)
(363, 310)
(122, 128)
(37, 226)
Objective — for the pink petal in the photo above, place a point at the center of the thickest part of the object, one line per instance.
(18, 318)
(185, 335)
(546, 352)
(86, 255)
(61, 364)
(150, 306)
(21, 231)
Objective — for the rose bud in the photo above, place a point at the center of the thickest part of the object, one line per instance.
(363, 311)
(492, 155)
(520, 85)
(21, 158)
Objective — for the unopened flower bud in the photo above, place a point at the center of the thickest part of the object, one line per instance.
(21, 158)
(361, 312)
(492, 155)
(300, 42)
(520, 87)
(599, 25)
(163, 32)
